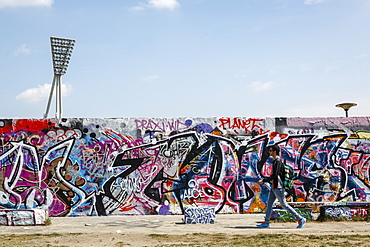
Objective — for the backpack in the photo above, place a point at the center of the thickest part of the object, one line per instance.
(287, 176)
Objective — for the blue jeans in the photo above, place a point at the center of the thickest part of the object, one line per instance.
(279, 194)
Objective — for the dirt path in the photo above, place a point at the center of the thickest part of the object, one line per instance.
(157, 230)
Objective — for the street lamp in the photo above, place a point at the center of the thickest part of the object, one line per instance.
(346, 106)
(61, 50)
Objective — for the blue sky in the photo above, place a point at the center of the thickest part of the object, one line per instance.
(188, 58)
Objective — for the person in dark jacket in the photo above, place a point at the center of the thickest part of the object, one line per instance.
(277, 190)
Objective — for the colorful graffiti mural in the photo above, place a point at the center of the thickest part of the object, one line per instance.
(87, 167)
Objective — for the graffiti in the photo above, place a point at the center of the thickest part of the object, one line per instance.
(359, 211)
(23, 217)
(192, 192)
(195, 215)
(347, 211)
(249, 125)
(164, 166)
(285, 216)
(338, 212)
(161, 125)
(129, 185)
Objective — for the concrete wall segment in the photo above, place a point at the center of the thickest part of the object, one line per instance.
(120, 166)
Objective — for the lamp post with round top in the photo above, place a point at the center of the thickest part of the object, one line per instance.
(346, 106)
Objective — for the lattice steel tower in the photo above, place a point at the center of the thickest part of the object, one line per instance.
(61, 50)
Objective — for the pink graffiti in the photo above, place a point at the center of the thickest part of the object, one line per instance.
(162, 125)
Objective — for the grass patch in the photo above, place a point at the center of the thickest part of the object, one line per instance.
(154, 235)
(282, 240)
(192, 239)
(48, 222)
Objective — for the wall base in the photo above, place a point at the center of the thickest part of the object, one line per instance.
(23, 217)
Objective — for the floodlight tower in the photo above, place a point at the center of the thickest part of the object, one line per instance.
(61, 50)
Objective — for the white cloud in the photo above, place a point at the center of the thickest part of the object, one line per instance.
(306, 67)
(262, 86)
(157, 4)
(164, 4)
(243, 73)
(22, 49)
(40, 93)
(24, 3)
(138, 8)
(279, 68)
(310, 2)
(150, 77)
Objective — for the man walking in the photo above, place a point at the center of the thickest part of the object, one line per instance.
(277, 190)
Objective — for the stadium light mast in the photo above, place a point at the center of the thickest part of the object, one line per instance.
(61, 50)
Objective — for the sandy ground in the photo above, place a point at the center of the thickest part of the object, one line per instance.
(136, 230)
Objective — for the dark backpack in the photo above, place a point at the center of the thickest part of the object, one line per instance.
(287, 176)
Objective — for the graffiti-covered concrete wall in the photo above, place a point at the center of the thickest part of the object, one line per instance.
(86, 167)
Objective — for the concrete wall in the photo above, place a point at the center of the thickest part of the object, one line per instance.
(162, 166)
